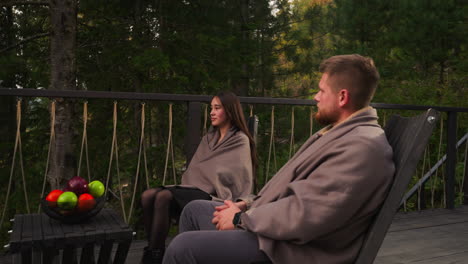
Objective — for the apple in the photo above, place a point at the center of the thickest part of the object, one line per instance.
(96, 189)
(52, 197)
(86, 202)
(77, 185)
(67, 200)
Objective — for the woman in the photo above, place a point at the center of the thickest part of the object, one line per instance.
(222, 168)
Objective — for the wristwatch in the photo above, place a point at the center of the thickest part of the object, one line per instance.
(237, 219)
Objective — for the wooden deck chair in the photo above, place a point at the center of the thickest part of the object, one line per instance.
(408, 138)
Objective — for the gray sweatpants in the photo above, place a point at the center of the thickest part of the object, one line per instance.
(200, 242)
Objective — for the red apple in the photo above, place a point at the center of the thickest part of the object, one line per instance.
(52, 197)
(86, 202)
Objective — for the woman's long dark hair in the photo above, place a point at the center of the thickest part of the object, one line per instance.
(234, 112)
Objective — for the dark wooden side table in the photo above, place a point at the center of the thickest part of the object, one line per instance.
(36, 238)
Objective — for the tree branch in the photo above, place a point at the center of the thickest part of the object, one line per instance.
(41, 35)
(18, 3)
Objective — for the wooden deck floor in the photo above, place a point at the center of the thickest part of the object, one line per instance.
(429, 237)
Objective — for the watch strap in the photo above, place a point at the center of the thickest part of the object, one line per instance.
(237, 219)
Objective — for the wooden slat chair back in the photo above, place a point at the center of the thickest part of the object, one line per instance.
(408, 138)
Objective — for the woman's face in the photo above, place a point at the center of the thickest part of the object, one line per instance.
(218, 115)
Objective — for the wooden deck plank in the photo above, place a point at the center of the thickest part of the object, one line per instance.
(407, 224)
(415, 216)
(431, 212)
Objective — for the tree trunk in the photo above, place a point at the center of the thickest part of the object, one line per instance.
(63, 77)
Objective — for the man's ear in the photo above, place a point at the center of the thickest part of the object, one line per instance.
(343, 98)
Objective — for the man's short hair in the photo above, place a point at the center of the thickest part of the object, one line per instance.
(355, 73)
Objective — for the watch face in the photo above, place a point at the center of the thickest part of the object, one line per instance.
(236, 219)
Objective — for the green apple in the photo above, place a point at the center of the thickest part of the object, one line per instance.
(96, 189)
(67, 201)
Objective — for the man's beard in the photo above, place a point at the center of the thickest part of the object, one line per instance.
(326, 118)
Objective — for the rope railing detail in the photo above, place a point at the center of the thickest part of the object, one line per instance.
(84, 142)
(17, 149)
(51, 142)
(272, 149)
(140, 151)
(170, 150)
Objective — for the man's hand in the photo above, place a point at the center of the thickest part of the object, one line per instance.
(224, 214)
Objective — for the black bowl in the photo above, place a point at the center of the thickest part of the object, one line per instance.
(72, 216)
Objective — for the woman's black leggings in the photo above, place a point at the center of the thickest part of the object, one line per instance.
(156, 205)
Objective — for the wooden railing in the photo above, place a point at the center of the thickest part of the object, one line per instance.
(194, 116)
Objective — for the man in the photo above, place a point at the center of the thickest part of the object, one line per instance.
(317, 208)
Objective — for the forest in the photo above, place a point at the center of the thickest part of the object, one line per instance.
(255, 48)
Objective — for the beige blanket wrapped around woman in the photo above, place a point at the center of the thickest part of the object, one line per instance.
(222, 169)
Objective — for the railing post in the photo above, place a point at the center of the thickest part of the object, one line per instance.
(451, 158)
(465, 182)
(193, 135)
(422, 197)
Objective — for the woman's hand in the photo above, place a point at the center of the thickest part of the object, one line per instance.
(241, 205)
